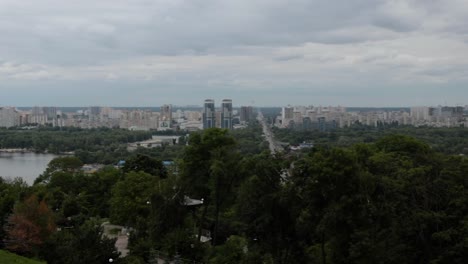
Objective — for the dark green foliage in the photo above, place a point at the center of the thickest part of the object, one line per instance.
(103, 145)
(210, 171)
(250, 140)
(232, 252)
(82, 244)
(10, 192)
(57, 140)
(73, 193)
(66, 165)
(395, 199)
(131, 197)
(146, 164)
(445, 140)
(386, 204)
(198, 158)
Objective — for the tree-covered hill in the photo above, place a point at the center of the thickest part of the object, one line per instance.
(223, 200)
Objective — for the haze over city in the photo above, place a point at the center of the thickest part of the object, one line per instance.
(150, 53)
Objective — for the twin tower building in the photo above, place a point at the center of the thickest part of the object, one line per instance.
(213, 118)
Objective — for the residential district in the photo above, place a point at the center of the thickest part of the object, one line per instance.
(191, 119)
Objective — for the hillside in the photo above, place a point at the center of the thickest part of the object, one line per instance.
(6, 257)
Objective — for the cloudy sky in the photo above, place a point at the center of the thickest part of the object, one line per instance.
(261, 52)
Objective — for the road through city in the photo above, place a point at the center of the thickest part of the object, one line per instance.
(274, 146)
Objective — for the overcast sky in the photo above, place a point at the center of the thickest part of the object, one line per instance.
(261, 52)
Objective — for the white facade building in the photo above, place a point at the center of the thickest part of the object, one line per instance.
(9, 117)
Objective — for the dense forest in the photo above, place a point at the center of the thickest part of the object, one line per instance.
(445, 140)
(109, 146)
(57, 140)
(226, 199)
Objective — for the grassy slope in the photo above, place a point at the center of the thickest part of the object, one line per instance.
(6, 257)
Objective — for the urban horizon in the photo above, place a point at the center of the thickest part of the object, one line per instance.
(225, 115)
(236, 105)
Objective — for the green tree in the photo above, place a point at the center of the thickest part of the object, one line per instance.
(28, 227)
(146, 164)
(233, 251)
(10, 193)
(131, 198)
(82, 244)
(209, 171)
(68, 164)
(264, 208)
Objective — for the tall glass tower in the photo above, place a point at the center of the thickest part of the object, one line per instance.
(226, 114)
(209, 114)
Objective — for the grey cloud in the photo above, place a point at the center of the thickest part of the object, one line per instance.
(289, 57)
(228, 46)
(453, 71)
(399, 16)
(104, 31)
(395, 24)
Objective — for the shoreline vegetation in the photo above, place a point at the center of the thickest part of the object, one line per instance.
(16, 150)
(26, 150)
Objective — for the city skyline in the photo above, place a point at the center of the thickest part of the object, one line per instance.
(360, 53)
(236, 106)
(297, 117)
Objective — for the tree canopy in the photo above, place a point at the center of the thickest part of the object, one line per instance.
(392, 199)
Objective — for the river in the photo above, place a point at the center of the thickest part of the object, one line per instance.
(25, 165)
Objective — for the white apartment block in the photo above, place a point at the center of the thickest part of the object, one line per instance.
(9, 117)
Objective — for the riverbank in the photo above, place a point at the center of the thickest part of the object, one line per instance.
(25, 150)
(16, 150)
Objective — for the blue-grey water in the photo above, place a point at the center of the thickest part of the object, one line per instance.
(25, 165)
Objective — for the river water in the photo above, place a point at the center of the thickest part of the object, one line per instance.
(25, 165)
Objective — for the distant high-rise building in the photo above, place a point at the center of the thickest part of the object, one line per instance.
(166, 112)
(94, 113)
(165, 118)
(452, 112)
(420, 113)
(287, 115)
(94, 110)
(246, 113)
(9, 117)
(36, 110)
(287, 112)
(51, 112)
(218, 118)
(44, 115)
(226, 114)
(209, 114)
